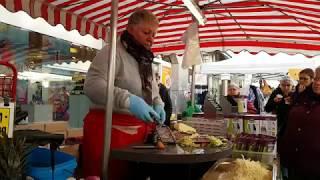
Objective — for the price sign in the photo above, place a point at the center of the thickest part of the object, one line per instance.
(4, 120)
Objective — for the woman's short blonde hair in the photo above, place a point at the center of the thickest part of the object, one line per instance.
(142, 15)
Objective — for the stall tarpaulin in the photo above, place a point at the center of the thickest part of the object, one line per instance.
(246, 63)
(290, 26)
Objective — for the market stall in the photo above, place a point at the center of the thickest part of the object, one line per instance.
(239, 17)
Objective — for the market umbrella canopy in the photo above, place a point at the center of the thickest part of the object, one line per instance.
(290, 26)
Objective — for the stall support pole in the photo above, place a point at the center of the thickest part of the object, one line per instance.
(193, 82)
(109, 89)
(193, 85)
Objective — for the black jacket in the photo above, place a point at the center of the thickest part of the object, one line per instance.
(165, 96)
(232, 101)
(281, 109)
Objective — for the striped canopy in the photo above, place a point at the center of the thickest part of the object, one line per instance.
(290, 26)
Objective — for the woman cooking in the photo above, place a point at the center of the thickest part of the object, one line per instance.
(136, 95)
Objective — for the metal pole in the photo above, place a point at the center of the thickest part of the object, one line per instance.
(109, 89)
(193, 82)
(193, 71)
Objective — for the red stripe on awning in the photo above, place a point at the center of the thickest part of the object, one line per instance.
(68, 21)
(83, 5)
(3, 3)
(56, 16)
(104, 32)
(78, 25)
(17, 5)
(306, 2)
(44, 11)
(263, 44)
(304, 8)
(95, 31)
(263, 36)
(95, 9)
(88, 27)
(67, 3)
(120, 14)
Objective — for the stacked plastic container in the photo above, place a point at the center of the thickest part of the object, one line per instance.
(40, 165)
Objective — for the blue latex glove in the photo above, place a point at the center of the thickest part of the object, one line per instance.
(160, 110)
(141, 109)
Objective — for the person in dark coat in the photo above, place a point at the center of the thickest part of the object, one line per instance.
(305, 80)
(300, 150)
(165, 96)
(279, 103)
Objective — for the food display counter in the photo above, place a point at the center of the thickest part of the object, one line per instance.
(253, 135)
(172, 154)
(184, 155)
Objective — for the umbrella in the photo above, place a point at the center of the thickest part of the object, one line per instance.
(290, 26)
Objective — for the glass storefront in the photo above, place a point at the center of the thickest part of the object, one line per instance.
(47, 68)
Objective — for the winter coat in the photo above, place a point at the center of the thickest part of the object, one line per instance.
(281, 109)
(300, 145)
(127, 80)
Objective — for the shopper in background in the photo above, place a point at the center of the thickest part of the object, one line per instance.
(300, 150)
(256, 98)
(165, 96)
(305, 80)
(233, 93)
(137, 103)
(279, 103)
(234, 96)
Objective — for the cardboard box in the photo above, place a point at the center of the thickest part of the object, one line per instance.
(57, 126)
(33, 126)
(74, 132)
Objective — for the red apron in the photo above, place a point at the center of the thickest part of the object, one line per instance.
(126, 130)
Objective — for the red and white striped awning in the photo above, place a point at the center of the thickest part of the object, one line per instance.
(291, 26)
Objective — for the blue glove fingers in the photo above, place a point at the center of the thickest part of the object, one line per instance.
(139, 108)
(161, 113)
(163, 116)
(154, 114)
(147, 117)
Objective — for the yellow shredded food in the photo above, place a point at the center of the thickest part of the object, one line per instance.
(214, 141)
(187, 141)
(181, 127)
(247, 170)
